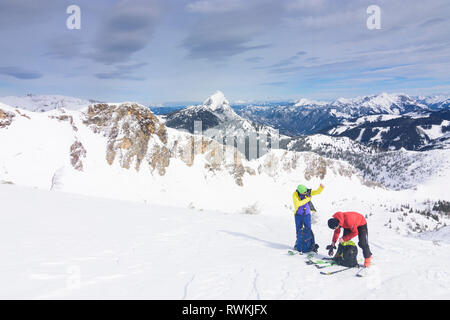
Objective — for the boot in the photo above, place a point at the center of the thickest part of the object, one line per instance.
(315, 248)
(367, 262)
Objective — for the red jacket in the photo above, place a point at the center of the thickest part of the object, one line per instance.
(348, 220)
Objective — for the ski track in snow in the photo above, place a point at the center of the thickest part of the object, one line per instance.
(255, 287)
(283, 284)
(186, 287)
(63, 246)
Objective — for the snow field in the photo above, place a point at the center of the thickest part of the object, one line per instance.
(65, 246)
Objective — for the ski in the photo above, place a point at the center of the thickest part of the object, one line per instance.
(320, 262)
(337, 271)
(334, 272)
(325, 262)
(362, 273)
(320, 266)
(292, 252)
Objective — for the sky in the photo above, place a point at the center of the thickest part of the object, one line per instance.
(168, 51)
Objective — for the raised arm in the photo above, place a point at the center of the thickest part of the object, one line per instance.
(318, 190)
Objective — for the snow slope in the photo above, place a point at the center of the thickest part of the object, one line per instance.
(396, 169)
(62, 246)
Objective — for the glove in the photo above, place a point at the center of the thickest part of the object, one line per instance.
(330, 249)
(330, 252)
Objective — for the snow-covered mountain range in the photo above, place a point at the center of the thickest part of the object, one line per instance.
(362, 148)
(395, 120)
(309, 117)
(42, 103)
(435, 102)
(392, 132)
(103, 147)
(124, 151)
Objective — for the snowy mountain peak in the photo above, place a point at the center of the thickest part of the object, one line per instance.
(383, 103)
(435, 102)
(386, 100)
(307, 102)
(217, 101)
(343, 101)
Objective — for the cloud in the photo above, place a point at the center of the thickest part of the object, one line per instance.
(128, 29)
(307, 5)
(66, 47)
(219, 35)
(277, 42)
(218, 48)
(124, 72)
(254, 59)
(274, 83)
(20, 73)
(431, 22)
(285, 62)
(214, 6)
(112, 37)
(290, 61)
(323, 70)
(20, 13)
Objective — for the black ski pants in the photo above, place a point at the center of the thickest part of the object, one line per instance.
(363, 237)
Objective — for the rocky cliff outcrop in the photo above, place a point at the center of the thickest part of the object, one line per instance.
(6, 118)
(77, 152)
(129, 128)
(313, 165)
(215, 156)
(136, 136)
(66, 118)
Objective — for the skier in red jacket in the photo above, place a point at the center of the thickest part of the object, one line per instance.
(354, 224)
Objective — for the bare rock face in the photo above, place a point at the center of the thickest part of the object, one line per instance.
(216, 156)
(65, 118)
(6, 118)
(317, 167)
(159, 159)
(135, 135)
(77, 152)
(237, 169)
(22, 114)
(270, 165)
(129, 129)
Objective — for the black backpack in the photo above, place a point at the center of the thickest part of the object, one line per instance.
(347, 254)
